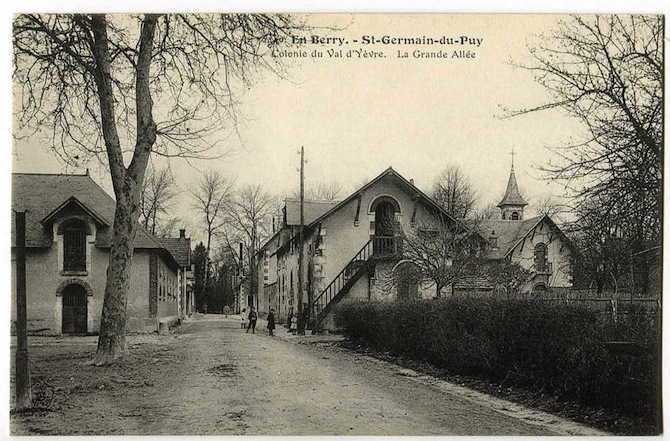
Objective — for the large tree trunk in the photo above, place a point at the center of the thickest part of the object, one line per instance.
(127, 182)
(112, 339)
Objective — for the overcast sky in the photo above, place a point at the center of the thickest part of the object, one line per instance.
(357, 116)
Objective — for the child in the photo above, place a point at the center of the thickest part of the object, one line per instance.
(243, 318)
(271, 321)
(253, 317)
(294, 324)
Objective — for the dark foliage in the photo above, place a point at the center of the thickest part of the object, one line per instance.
(566, 351)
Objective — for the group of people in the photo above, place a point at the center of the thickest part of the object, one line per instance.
(249, 319)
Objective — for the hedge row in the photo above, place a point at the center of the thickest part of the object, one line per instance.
(556, 348)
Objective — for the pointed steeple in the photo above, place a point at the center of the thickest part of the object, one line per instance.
(512, 203)
(512, 194)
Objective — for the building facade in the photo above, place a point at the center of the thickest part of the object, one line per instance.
(68, 230)
(354, 248)
(350, 248)
(537, 244)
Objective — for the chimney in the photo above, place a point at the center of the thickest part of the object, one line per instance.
(493, 240)
(182, 233)
(411, 181)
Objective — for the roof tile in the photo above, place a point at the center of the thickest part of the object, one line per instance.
(40, 194)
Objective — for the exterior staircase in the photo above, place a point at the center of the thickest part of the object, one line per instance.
(364, 261)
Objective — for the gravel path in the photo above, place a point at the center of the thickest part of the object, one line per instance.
(211, 378)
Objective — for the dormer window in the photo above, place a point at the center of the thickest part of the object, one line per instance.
(74, 245)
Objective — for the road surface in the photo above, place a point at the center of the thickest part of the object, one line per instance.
(212, 378)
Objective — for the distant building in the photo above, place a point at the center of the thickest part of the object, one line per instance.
(350, 252)
(180, 249)
(68, 233)
(536, 244)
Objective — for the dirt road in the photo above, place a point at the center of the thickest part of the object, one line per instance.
(211, 378)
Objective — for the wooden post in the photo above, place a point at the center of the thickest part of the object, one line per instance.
(301, 322)
(23, 389)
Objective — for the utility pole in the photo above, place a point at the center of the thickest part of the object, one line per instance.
(301, 321)
(23, 389)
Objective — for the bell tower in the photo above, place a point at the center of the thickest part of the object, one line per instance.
(512, 203)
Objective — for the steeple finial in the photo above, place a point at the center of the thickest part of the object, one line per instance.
(512, 153)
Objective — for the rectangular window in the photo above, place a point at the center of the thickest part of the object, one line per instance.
(74, 250)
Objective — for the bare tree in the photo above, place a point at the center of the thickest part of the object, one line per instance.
(453, 191)
(454, 253)
(443, 253)
(604, 260)
(607, 71)
(323, 191)
(170, 226)
(211, 196)
(490, 211)
(123, 87)
(550, 206)
(158, 191)
(250, 223)
(505, 276)
(362, 182)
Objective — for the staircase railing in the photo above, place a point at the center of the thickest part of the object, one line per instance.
(385, 246)
(341, 279)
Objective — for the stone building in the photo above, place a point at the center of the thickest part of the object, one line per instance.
(536, 244)
(68, 230)
(351, 249)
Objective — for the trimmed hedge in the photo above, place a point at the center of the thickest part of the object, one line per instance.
(556, 348)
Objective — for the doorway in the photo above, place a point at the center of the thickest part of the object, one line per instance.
(386, 226)
(407, 277)
(75, 310)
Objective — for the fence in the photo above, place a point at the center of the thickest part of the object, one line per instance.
(607, 303)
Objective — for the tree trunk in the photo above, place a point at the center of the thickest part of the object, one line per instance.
(112, 339)
(127, 182)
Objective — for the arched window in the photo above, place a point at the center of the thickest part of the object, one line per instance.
(515, 215)
(541, 263)
(74, 245)
(540, 288)
(386, 225)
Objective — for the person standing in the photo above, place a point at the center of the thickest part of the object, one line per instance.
(293, 329)
(243, 318)
(253, 316)
(271, 321)
(303, 320)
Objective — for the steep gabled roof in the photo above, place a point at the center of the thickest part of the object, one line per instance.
(74, 201)
(400, 180)
(179, 248)
(408, 186)
(512, 193)
(42, 196)
(312, 210)
(510, 233)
